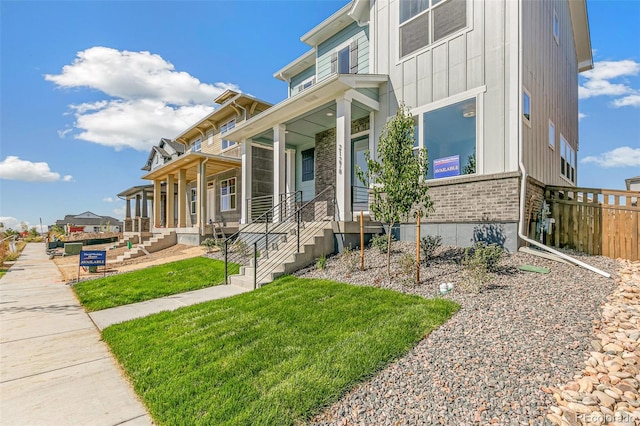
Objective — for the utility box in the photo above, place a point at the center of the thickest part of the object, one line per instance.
(71, 249)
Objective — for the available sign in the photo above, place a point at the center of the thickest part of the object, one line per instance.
(93, 258)
(447, 166)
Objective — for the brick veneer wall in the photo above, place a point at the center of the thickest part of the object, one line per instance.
(485, 198)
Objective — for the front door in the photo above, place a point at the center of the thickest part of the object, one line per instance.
(360, 194)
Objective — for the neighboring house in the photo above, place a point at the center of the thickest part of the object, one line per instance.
(202, 169)
(89, 222)
(633, 184)
(490, 83)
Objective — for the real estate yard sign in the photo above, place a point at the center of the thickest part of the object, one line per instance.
(93, 258)
(447, 166)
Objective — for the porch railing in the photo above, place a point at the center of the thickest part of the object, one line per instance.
(264, 245)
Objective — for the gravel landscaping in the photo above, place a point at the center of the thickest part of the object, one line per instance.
(492, 360)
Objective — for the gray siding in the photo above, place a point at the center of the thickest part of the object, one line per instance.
(469, 59)
(550, 74)
(352, 33)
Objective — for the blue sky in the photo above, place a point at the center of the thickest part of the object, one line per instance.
(86, 88)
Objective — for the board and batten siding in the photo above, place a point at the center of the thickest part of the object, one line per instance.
(352, 33)
(468, 59)
(550, 74)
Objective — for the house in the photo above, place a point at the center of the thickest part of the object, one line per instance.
(633, 184)
(89, 222)
(196, 176)
(493, 87)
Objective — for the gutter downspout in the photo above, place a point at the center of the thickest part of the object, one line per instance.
(523, 183)
(244, 110)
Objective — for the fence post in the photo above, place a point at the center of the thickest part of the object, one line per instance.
(255, 264)
(226, 250)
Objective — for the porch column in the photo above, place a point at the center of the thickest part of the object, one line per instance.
(157, 202)
(245, 215)
(127, 215)
(200, 196)
(182, 198)
(145, 211)
(343, 158)
(171, 202)
(137, 205)
(278, 166)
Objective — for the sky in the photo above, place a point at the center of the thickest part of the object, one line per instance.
(88, 87)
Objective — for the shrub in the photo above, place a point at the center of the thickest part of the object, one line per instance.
(407, 269)
(478, 262)
(350, 259)
(241, 247)
(321, 263)
(210, 244)
(429, 245)
(380, 242)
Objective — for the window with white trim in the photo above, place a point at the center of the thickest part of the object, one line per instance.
(526, 106)
(196, 146)
(193, 200)
(556, 27)
(344, 60)
(552, 135)
(228, 194)
(224, 129)
(567, 160)
(450, 135)
(308, 165)
(423, 22)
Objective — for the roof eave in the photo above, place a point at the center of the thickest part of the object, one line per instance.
(301, 63)
(581, 34)
(328, 27)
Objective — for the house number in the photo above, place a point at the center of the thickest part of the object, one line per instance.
(340, 159)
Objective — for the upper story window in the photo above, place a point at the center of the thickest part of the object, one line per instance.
(345, 59)
(556, 27)
(526, 107)
(567, 160)
(423, 22)
(224, 129)
(304, 85)
(196, 146)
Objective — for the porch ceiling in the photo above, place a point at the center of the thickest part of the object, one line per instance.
(189, 162)
(316, 98)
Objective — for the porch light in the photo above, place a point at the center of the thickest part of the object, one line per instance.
(329, 114)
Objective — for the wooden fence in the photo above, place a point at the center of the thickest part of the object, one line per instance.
(595, 221)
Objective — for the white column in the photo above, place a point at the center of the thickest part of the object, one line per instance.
(182, 198)
(199, 197)
(343, 158)
(245, 191)
(171, 202)
(278, 166)
(157, 202)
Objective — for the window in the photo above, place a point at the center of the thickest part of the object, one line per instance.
(224, 129)
(567, 160)
(193, 199)
(196, 146)
(427, 21)
(556, 27)
(450, 139)
(308, 164)
(552, 135)
(345, 59)
(228, 194)
(304, 85)
(526, 107)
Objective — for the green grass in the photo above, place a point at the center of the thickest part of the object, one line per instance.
(3, 271)
(274, 356)
(151, 283)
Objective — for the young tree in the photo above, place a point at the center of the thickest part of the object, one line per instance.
(398, 181)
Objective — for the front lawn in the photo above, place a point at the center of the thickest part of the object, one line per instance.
(151, 283)
(274, 356)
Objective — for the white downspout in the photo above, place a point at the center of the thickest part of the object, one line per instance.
(523, 183)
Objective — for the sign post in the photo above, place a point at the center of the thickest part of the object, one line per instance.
(93, 258)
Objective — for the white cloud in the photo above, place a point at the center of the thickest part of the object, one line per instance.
(597, 81)
(119, 212)
(63, 133)
(108, 199)
(581, 115)
(10, 222)
(13, 168)
(623, 156)
(631, 100)
(148, 98)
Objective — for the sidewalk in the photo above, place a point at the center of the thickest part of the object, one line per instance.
(107, 317)
(55, 370)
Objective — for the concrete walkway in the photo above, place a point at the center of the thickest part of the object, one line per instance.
(54, 368)
(107, 317)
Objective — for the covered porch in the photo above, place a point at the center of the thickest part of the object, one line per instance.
(317, 138)
(185, 196)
